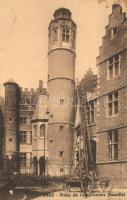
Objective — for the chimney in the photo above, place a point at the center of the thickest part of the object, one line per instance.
(116, 9)
(40, 85)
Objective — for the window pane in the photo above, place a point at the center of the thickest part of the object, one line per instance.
(115, 151)
(92, 116)
(116, 57)
(110, 152)
(42, 130)
(116, 136)
(109, 137)
(110, 109)
(110, 97)
(61, 128)
(92, 105)
(61, 153)
(61, 101)
(111, 71)
(23, 137)
(23, 120)
(67, 38)
(116, 95)
(55, 34)
(116, 68)
(116, 107)
(65, 35)
(110, 60)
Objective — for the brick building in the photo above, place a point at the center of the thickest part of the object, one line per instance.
(112, 98)
(107, 97)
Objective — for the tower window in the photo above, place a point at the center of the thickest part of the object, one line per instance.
(61, 170)
(10, 139)
(55, 34)
(113, 144)
(65, 34)
(23, 120)
(10, 119)
(61, 153)
(51, 141)
(61, 101)
(61, 128)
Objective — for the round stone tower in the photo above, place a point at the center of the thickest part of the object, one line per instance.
(12, 94)
(61, 91)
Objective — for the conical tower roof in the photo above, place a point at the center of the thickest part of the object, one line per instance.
(41, 108)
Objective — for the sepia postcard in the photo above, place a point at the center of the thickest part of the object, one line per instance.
(63, 99)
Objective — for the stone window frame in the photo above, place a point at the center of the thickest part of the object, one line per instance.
(65, 34)
(11, 119)
(61, 170)
(51, 141)
(55, 34)
(62, 101)
(44, 129)
(61, 154)
(113, 66)
(10, 139)
(61, 128)
(23, 137)
(113, 104)
(113, 144)
(23, 120)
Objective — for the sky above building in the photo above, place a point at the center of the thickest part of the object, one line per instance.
(24, 37)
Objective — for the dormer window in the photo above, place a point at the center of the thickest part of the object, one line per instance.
(114, 31)
(65, 34)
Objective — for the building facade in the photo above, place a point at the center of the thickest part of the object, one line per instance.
(107, 96)
(112, 98)
(21, 108)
